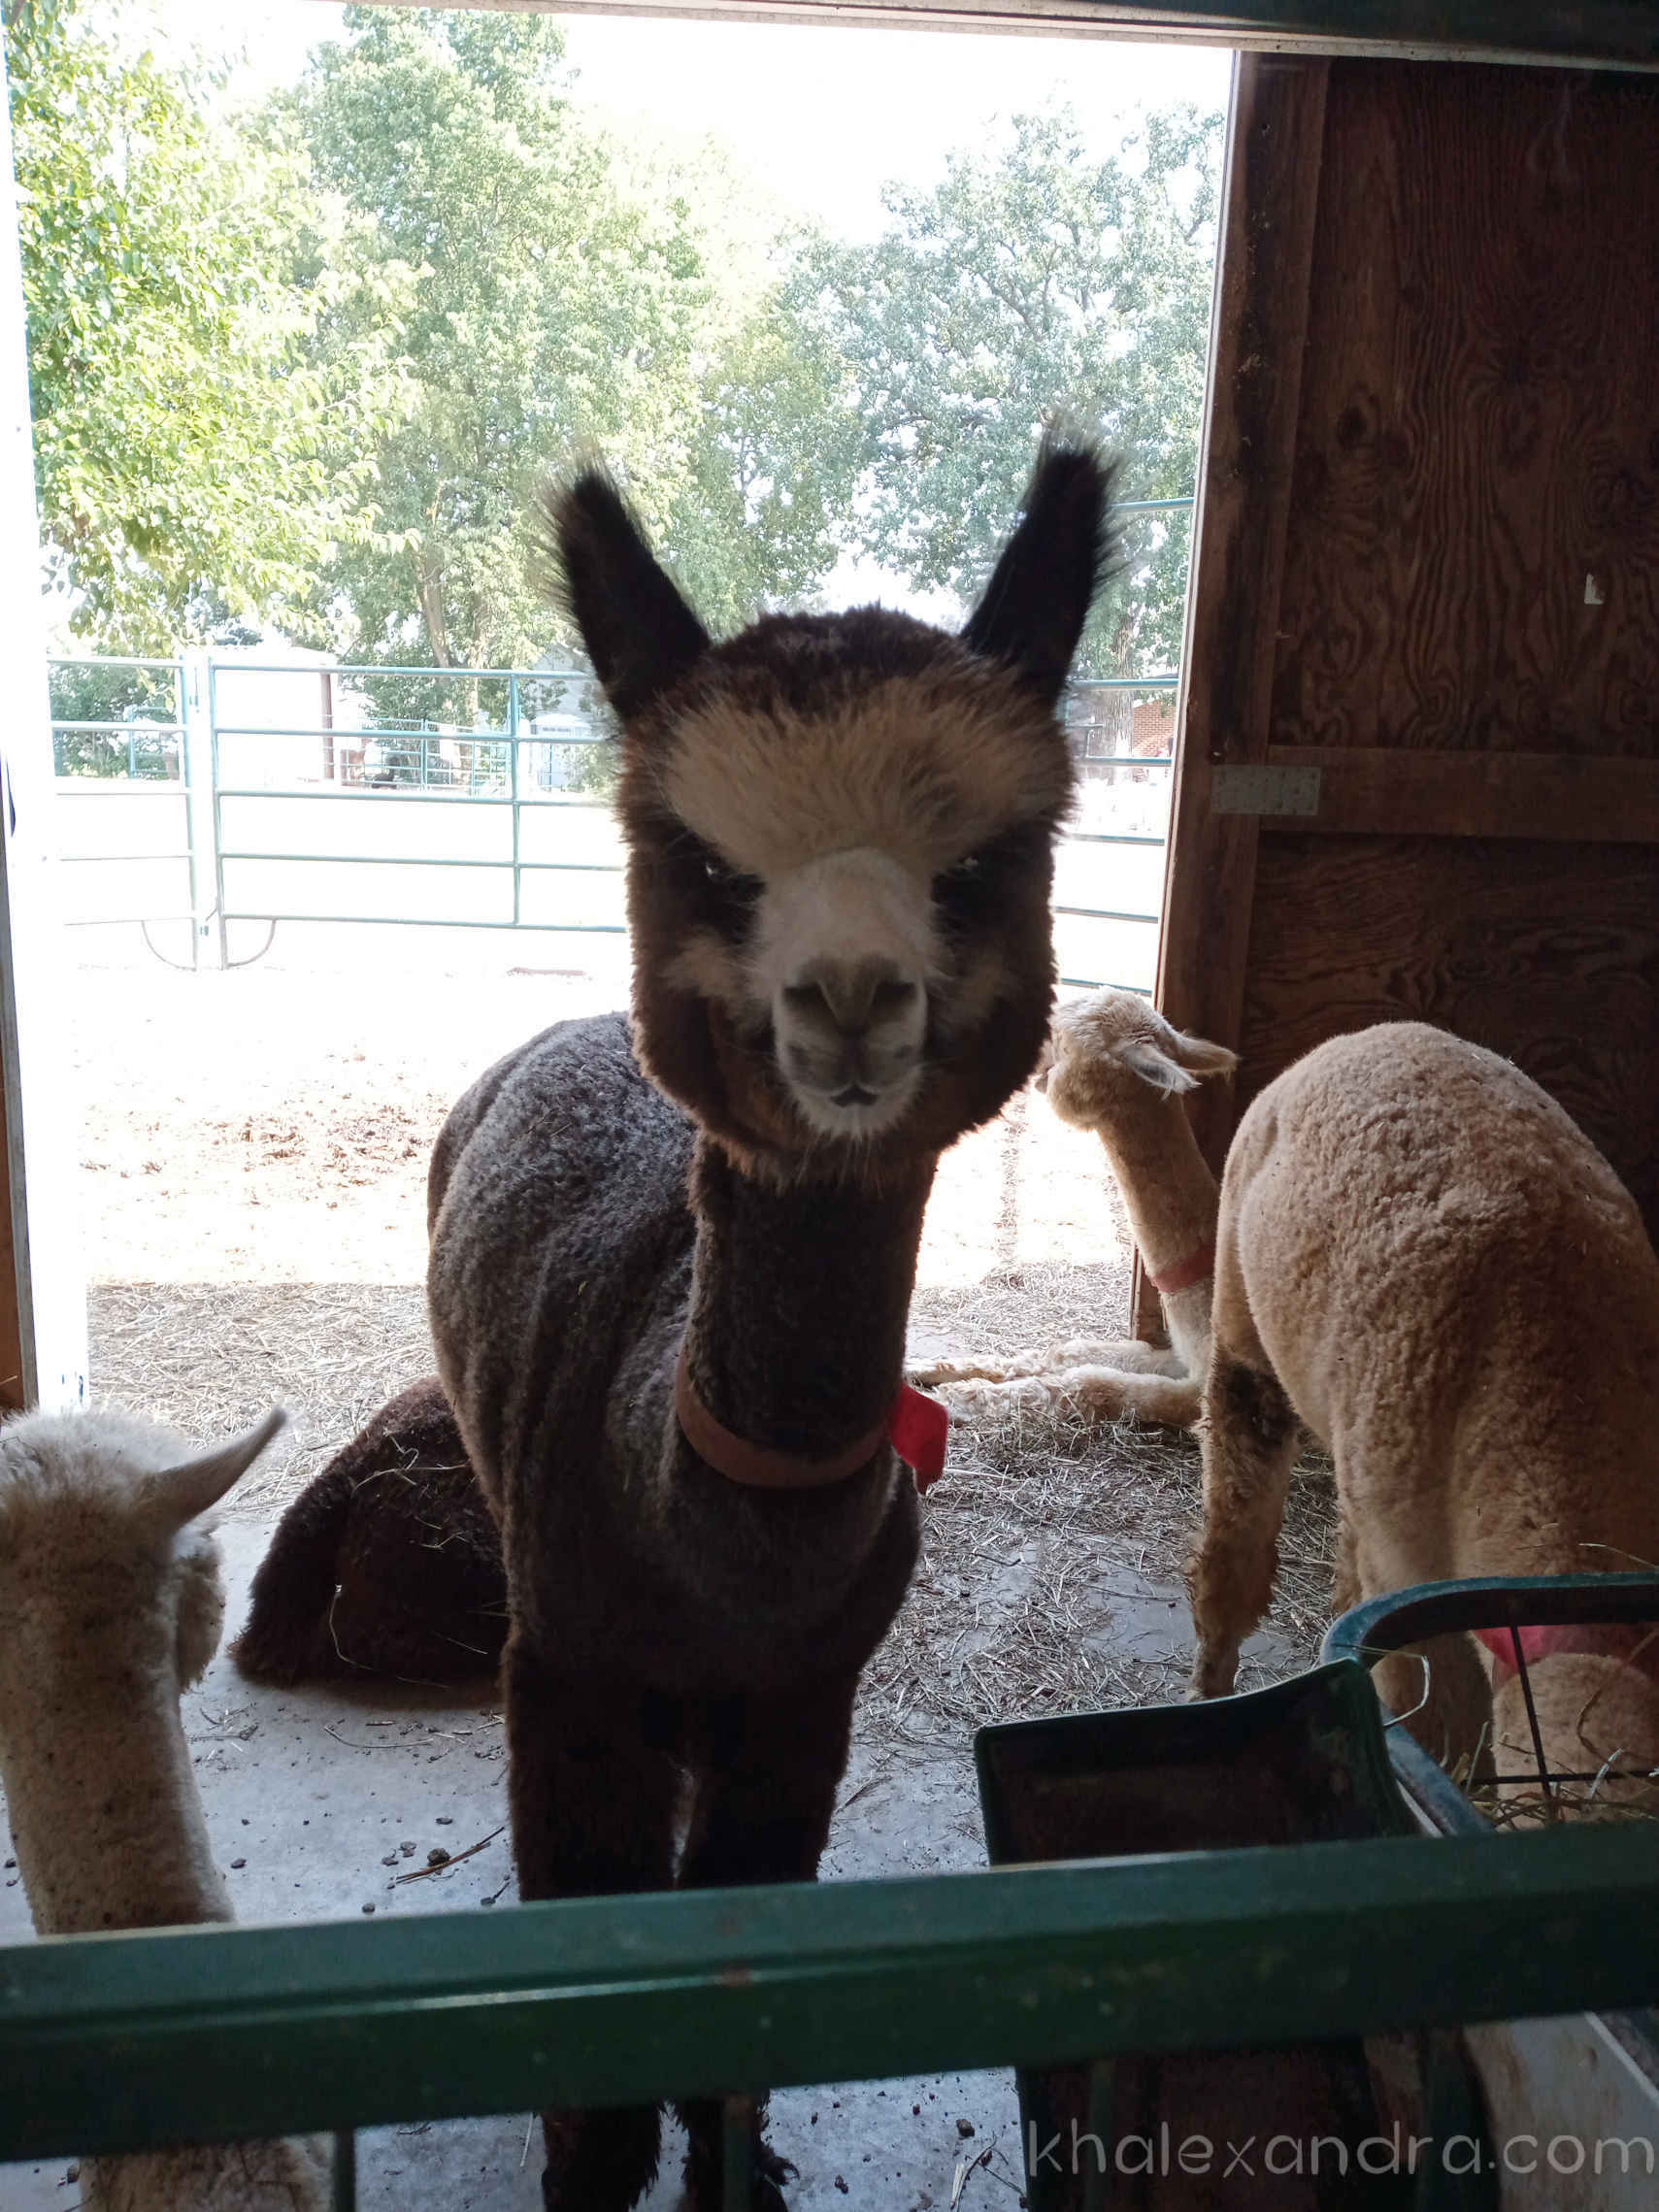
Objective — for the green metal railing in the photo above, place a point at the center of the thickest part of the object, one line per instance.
(126, 2041)
(151, 747)
(508, 739)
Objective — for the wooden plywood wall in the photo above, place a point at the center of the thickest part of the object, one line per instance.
(1428, 566)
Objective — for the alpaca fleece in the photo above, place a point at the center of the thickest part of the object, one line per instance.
(387, 1563)
(1411, 1238)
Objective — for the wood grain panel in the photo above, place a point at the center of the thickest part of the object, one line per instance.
(1480, 419)
(1401, 791)
(1547, 953)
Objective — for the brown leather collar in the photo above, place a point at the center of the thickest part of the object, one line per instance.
(1185, 1273)
(754, 1464)
(916, 1427)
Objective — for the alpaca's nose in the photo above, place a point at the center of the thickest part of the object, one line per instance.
(849, 997)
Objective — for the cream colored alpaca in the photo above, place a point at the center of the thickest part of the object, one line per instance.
(1421, 1258)
(110, 1603)
(1117, 1067)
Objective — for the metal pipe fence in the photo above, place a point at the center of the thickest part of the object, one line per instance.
(477, 744)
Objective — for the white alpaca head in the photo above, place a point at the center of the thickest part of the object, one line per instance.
(1112, 1055)
(105, 1561)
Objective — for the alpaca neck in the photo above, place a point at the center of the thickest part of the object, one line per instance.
(1170, 1197)
(795, 1338)
(106, 1814)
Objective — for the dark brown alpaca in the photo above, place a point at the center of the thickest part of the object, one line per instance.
(387, 1563)
(840, 835)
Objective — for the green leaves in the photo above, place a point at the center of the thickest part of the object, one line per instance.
(188, 454)
(566, 293)
(1035, 278)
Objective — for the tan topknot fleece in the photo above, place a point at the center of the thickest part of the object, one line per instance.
(922, 766)
(1424, 1260)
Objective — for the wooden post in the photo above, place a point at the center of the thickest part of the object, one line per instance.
(1275, 146)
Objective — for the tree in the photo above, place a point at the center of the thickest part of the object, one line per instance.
(190, 463)
(1035, 278)
(566, 296)
(763, 510)
(546, 307)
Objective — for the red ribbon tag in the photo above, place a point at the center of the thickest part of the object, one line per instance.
(1635, 1642)
(918, 1428)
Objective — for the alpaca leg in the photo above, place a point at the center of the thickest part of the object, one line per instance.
(1346, 1589)
(592, 1807)
(1127, 1354)
(765, 1794)
(1099, 1393)
(945, 1373)
(1248, 1441)
(1106, 1394)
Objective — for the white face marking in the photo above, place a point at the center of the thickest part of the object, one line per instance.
(842, 953)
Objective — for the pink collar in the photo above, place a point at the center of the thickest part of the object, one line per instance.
(917, 1426)
(1185, 1273)
(1636, 1642)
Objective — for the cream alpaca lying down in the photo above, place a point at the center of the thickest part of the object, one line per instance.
(110, 1603)
(1118, 1068)
(1411, 1238)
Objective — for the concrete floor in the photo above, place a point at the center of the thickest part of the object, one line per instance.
(322, 1802)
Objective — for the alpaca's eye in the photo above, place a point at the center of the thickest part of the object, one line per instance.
(731, 880)
(961, 879)
(729, 895)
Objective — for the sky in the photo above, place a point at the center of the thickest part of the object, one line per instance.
(823, 114)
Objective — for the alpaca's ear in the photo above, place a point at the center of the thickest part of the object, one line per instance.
(1200, 1057)
(640, 634)
(1033, 609)
(200, 1618)
(180, 1493)
(1155, 1068)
